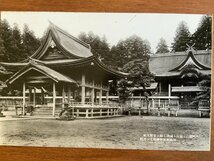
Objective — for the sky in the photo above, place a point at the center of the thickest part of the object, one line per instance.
(114, 26)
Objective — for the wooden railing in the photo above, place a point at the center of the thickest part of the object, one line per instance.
(159, 104)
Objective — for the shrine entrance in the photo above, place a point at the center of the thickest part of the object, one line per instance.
(40, 86)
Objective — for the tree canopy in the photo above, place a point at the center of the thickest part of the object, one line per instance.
(134, 47)
(182, 37)
(15, 46)
(202, 36)
(162, 46)
(99, 46)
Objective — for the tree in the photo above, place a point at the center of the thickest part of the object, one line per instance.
(6, 42)
(2, 47)
(129, 49)
(205, 85)
(139, 76)
(182, 37)
(202, 36)
(162, 46)
(99, 46)
(13, 45)
(30, 42)
(17, 43)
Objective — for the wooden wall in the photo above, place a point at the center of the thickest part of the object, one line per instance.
(70, 154)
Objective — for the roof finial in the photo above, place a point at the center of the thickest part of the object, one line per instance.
(190, 47)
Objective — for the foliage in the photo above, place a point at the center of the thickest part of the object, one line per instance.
(162, 46)
(15, 46)
(202, 36)
(30, 42)
(182, 37)
(139, 76)
(99, 46)
(129, 49)
(123, 89)
(204, 84)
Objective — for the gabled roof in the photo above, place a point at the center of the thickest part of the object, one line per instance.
(190, 60)
(161, 65)
(52, 74)
(71, 47)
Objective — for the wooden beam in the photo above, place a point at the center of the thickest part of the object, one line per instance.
(24, 95)
(54, 98)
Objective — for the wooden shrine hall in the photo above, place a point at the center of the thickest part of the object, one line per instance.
(65, 67)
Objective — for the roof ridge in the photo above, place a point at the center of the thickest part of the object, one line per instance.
(55, 27)
(197, 52)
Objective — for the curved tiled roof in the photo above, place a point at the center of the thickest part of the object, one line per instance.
(71, 43)
(52, 74)
(71, 47)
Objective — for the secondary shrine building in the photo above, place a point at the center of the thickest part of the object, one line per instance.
(63, 72)
(177, 77)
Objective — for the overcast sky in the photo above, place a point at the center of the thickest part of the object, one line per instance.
(114, 26)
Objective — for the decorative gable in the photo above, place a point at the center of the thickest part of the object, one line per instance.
(53, 53)
(190, 61)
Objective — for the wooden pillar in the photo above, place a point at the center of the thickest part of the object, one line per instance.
(54, 98)
(140, 100)
(107, 100)
(92, 94)
(34, 97)
(169, 90)
(159, 102)
(95, 96)
(42, 96)
(30, 93)
(69, 95)
(83, 90)
(159, 87)
(100, 95)
(132, 100)
(24, 95)
(63, 97)
(153, 103)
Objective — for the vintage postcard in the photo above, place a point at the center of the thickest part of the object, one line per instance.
(105, 80)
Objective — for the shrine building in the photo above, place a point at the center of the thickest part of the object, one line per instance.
(64, 66)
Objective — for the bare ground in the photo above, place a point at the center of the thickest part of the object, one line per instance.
(130, 132)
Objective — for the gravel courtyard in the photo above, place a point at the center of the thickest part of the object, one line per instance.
(129, 132)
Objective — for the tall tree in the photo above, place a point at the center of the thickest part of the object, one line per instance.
(182, 37)
(17, 43)
(134, 47)
(202, 36)
(2, 47)
(99, 46)
(6, 42)
(30, 42)
(162, 46)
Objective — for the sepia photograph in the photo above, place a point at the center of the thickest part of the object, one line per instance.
(106, 80)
